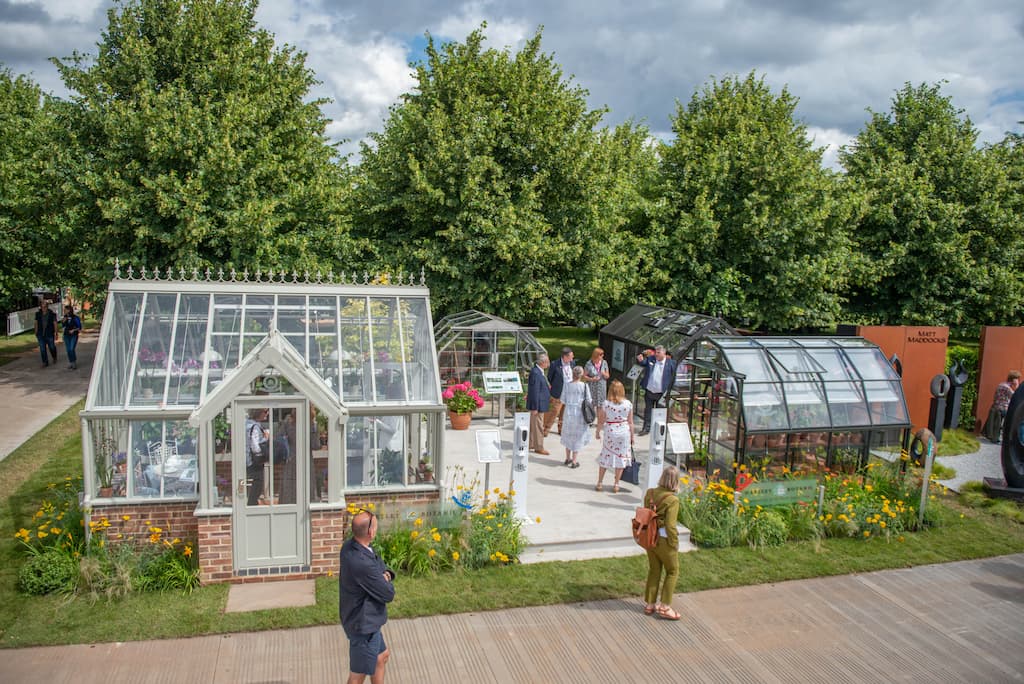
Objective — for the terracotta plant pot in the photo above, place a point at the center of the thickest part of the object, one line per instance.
(460, 421)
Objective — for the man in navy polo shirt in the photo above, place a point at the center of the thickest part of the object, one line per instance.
(365, 587)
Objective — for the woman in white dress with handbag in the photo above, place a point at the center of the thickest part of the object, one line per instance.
(575, 431)
(615, 417)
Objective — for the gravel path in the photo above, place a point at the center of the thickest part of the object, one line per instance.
(985, 462)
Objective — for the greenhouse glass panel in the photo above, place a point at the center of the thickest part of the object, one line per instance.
(189, 342)
(323, 337)
(355, 350)
(763, 407)
(117, 354)
(885, 400)
(387, 357)
(754, 364)
(419, 350)
(153, 357)
(871, 364)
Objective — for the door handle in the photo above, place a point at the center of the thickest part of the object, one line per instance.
(243, 484)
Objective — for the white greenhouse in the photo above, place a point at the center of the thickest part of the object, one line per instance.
(241, 412)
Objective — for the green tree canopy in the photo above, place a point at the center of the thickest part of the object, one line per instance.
(193, 144)
(493, 177)
(753, 229)
(943, 241)
(27, 248)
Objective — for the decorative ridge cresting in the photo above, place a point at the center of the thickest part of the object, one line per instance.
(207, 275)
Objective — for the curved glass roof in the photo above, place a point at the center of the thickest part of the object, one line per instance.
(810, 383)
(166, 345)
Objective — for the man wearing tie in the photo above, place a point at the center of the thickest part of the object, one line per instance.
(658, 377)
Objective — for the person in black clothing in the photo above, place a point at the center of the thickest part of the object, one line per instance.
(71, 325)
(46, 332)
(365, 587)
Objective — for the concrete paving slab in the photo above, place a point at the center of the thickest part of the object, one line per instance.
(267, 595)
(31, 396)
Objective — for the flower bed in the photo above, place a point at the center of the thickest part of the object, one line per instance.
(63, 559)
(877, 501)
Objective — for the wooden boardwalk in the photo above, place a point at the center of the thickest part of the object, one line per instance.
(956, 622)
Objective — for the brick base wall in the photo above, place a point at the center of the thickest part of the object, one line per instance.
(212, 533)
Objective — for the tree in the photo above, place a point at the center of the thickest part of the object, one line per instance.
(493, 177)
(193, 144)
(26, 247)
(754, 229)
(940, 233)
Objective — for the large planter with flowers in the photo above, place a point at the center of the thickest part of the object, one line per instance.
(461, 400)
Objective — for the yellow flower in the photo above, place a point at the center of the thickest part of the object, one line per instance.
(432, 553)
(42, 535)
(867, 533)
(538, 518)
(418, 522)
(882, 524)
(126, 517)
(414, 534)
(437, 538)
(22, 534)
(455, 555)
(54, 530)
(187, 552)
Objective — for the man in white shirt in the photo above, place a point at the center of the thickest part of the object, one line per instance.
(658, 378)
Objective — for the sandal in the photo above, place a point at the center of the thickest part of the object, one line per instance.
(598, 488)
(615, 489)
(574, 464)
(668, 613)
(649, 609)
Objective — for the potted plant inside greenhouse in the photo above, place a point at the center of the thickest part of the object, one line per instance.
(461, 400)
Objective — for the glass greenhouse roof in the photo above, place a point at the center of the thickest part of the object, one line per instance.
(167, 344)
(677, 331)
(810, 383)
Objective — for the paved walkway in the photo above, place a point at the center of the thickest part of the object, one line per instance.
(31, 396)
(957, 622)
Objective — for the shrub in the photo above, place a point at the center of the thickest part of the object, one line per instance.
(173, 567)
(765, 528)
(968, 356)
(48, 572)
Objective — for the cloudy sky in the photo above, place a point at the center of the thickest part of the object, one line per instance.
(838, 57)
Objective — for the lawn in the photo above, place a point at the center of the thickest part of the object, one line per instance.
(963, 533)
(16, 345)
(582, 341)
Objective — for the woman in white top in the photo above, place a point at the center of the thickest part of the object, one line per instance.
(615, 417)
(575, 431)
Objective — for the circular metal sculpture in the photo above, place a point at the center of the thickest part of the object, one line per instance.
(1013, 448)
(940, 385)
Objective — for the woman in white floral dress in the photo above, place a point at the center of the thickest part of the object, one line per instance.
(615, 417)
(575, 431)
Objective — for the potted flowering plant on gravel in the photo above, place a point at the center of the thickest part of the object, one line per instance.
(461, 401)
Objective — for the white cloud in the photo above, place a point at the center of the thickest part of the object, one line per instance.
(501, 32)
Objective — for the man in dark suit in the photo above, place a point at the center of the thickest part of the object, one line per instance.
(658, 377)
(538, 398)
(365, 587)
(559, 375)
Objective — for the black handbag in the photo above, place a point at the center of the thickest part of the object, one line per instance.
(631, 473)
(589, 412)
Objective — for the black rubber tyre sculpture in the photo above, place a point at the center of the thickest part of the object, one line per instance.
(1013, 449)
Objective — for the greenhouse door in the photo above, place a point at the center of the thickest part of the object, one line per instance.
(271, 483)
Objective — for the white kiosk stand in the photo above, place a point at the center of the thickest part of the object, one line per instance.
(502, 383)
(656, 454)
(520, 464)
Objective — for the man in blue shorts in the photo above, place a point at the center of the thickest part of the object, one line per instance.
(365, 587)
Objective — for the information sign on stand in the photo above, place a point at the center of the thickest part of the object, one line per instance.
(488, 451)
(679, 439)
(502, 383)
